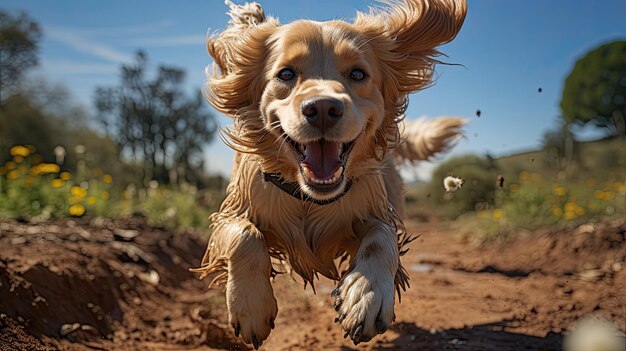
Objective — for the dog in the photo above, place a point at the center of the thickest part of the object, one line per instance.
(318, 131)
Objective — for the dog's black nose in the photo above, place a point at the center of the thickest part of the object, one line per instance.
(322, 112)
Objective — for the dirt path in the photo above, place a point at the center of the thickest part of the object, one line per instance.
(119, 285)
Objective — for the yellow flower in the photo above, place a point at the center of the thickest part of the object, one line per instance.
(3, 170)
(31, 148)
(19, 150)
(603, 195)
(13, 174)
(65, 175)
(18, 159)
(559, 190)
(557, 212)
(496, 214)
(105, 195)
(77, 210)
(78, 192)
(57, 183)
(523, 175)
(580, 211)
(617, 185)
(10, 165)
(569, 215)
(570, 206)
(91, 201)
(107, 179)
(45, 168)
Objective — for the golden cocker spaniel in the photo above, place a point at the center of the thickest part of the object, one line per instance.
(318, 130)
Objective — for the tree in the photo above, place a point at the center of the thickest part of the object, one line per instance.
(19, 43)
(595, 90)
(155, 123)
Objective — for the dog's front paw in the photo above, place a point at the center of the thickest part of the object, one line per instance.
(364, 303)
(251, 310)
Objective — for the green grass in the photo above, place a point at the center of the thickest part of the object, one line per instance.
(32, 190)
(538, 190)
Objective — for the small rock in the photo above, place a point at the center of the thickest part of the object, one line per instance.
(617, 266)
(151, 277)
(67, 329)
(18, 241)
(125, 234)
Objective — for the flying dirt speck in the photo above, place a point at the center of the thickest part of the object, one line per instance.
(478, 112)
(452, 184)
(500, 181)
(539, 90)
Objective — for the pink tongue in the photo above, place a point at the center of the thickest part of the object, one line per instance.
(322, 158)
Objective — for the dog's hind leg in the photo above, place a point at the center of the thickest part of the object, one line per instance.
(365, 296)
(239, 247)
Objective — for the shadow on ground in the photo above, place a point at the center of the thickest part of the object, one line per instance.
(485, 337)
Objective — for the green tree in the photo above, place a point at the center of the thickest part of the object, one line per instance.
(19, 43)
(595, 90)
(155, 123)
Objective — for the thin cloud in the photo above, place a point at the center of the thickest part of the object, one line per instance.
(129, 30)
(80, 43)
(181, 40)
(66, 67)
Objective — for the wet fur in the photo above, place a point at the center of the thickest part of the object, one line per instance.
(397, 46)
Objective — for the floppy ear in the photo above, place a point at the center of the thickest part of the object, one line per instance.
(405, 35)
(234, 81)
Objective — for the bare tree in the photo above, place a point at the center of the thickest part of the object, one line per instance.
(19, 42)
(154, 122)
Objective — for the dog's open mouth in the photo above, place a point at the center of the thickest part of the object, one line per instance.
(323, 162)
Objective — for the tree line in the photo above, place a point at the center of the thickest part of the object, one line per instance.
(146, 126)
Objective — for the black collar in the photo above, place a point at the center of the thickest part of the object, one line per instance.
(294, 190)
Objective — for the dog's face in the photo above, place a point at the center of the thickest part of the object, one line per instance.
(323, 97)
(319, 102)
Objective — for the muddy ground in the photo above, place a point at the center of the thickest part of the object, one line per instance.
(121, 285)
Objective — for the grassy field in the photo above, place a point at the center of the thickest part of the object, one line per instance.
(32, 190)
(538, 189)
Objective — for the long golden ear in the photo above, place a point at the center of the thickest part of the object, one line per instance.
(407, 33)
(233, 82)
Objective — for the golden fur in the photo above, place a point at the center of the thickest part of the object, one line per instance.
(396, 47)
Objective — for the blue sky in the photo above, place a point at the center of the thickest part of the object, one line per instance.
(508, 50)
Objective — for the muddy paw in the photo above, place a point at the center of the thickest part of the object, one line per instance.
(251, 311)
(364, 305)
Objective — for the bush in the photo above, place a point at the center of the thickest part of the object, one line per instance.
(478, 191)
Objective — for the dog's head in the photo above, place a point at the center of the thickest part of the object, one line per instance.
(320, 103)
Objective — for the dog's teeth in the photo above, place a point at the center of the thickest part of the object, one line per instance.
(338, 173)
(308, 174)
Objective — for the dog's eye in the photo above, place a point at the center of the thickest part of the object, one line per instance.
(357, 74)
(286, 74)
